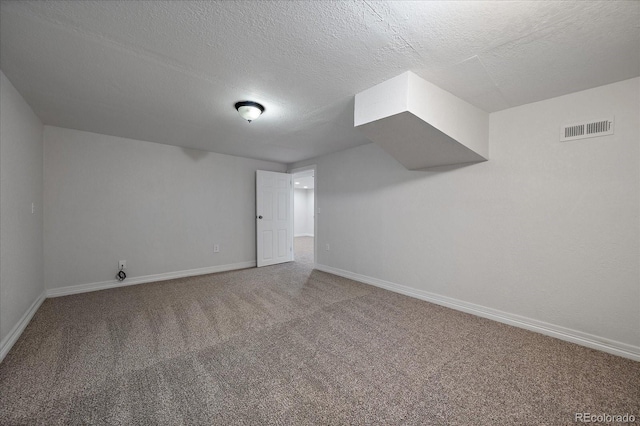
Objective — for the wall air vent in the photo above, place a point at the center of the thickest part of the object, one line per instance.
(586, 130)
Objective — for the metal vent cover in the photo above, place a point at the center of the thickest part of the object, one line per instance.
(588, 129)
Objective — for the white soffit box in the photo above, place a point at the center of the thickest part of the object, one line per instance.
(421, 125)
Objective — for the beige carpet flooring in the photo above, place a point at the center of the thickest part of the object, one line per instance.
(286, 345)
(303, 250)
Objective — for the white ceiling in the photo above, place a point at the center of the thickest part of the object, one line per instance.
(170, 72)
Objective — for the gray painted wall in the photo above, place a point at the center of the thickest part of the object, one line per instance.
(21, 279)
(545, 230)
(159, 207)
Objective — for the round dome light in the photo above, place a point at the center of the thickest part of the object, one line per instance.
(249, 110)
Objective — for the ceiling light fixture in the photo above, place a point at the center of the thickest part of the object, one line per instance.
(297, 183)
(249, 110)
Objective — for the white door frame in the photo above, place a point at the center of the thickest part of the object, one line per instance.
(315, 205)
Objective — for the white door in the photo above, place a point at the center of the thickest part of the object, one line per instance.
(274, 217)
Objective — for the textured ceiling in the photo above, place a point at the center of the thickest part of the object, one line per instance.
(170, 72)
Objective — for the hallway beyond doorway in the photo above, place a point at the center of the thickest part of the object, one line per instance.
(303, 250)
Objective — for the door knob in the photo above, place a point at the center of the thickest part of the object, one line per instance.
(259, 217)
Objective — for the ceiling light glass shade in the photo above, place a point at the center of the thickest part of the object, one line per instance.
(249, 110)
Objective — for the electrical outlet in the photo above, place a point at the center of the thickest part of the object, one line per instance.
(327, 248)
(216, 248)
(122, 265)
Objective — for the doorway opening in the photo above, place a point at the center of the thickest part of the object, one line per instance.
(304, 215)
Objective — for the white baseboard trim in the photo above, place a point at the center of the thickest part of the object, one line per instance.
(83, 288)
(303, 235)
(10, 339)
(559, 332)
